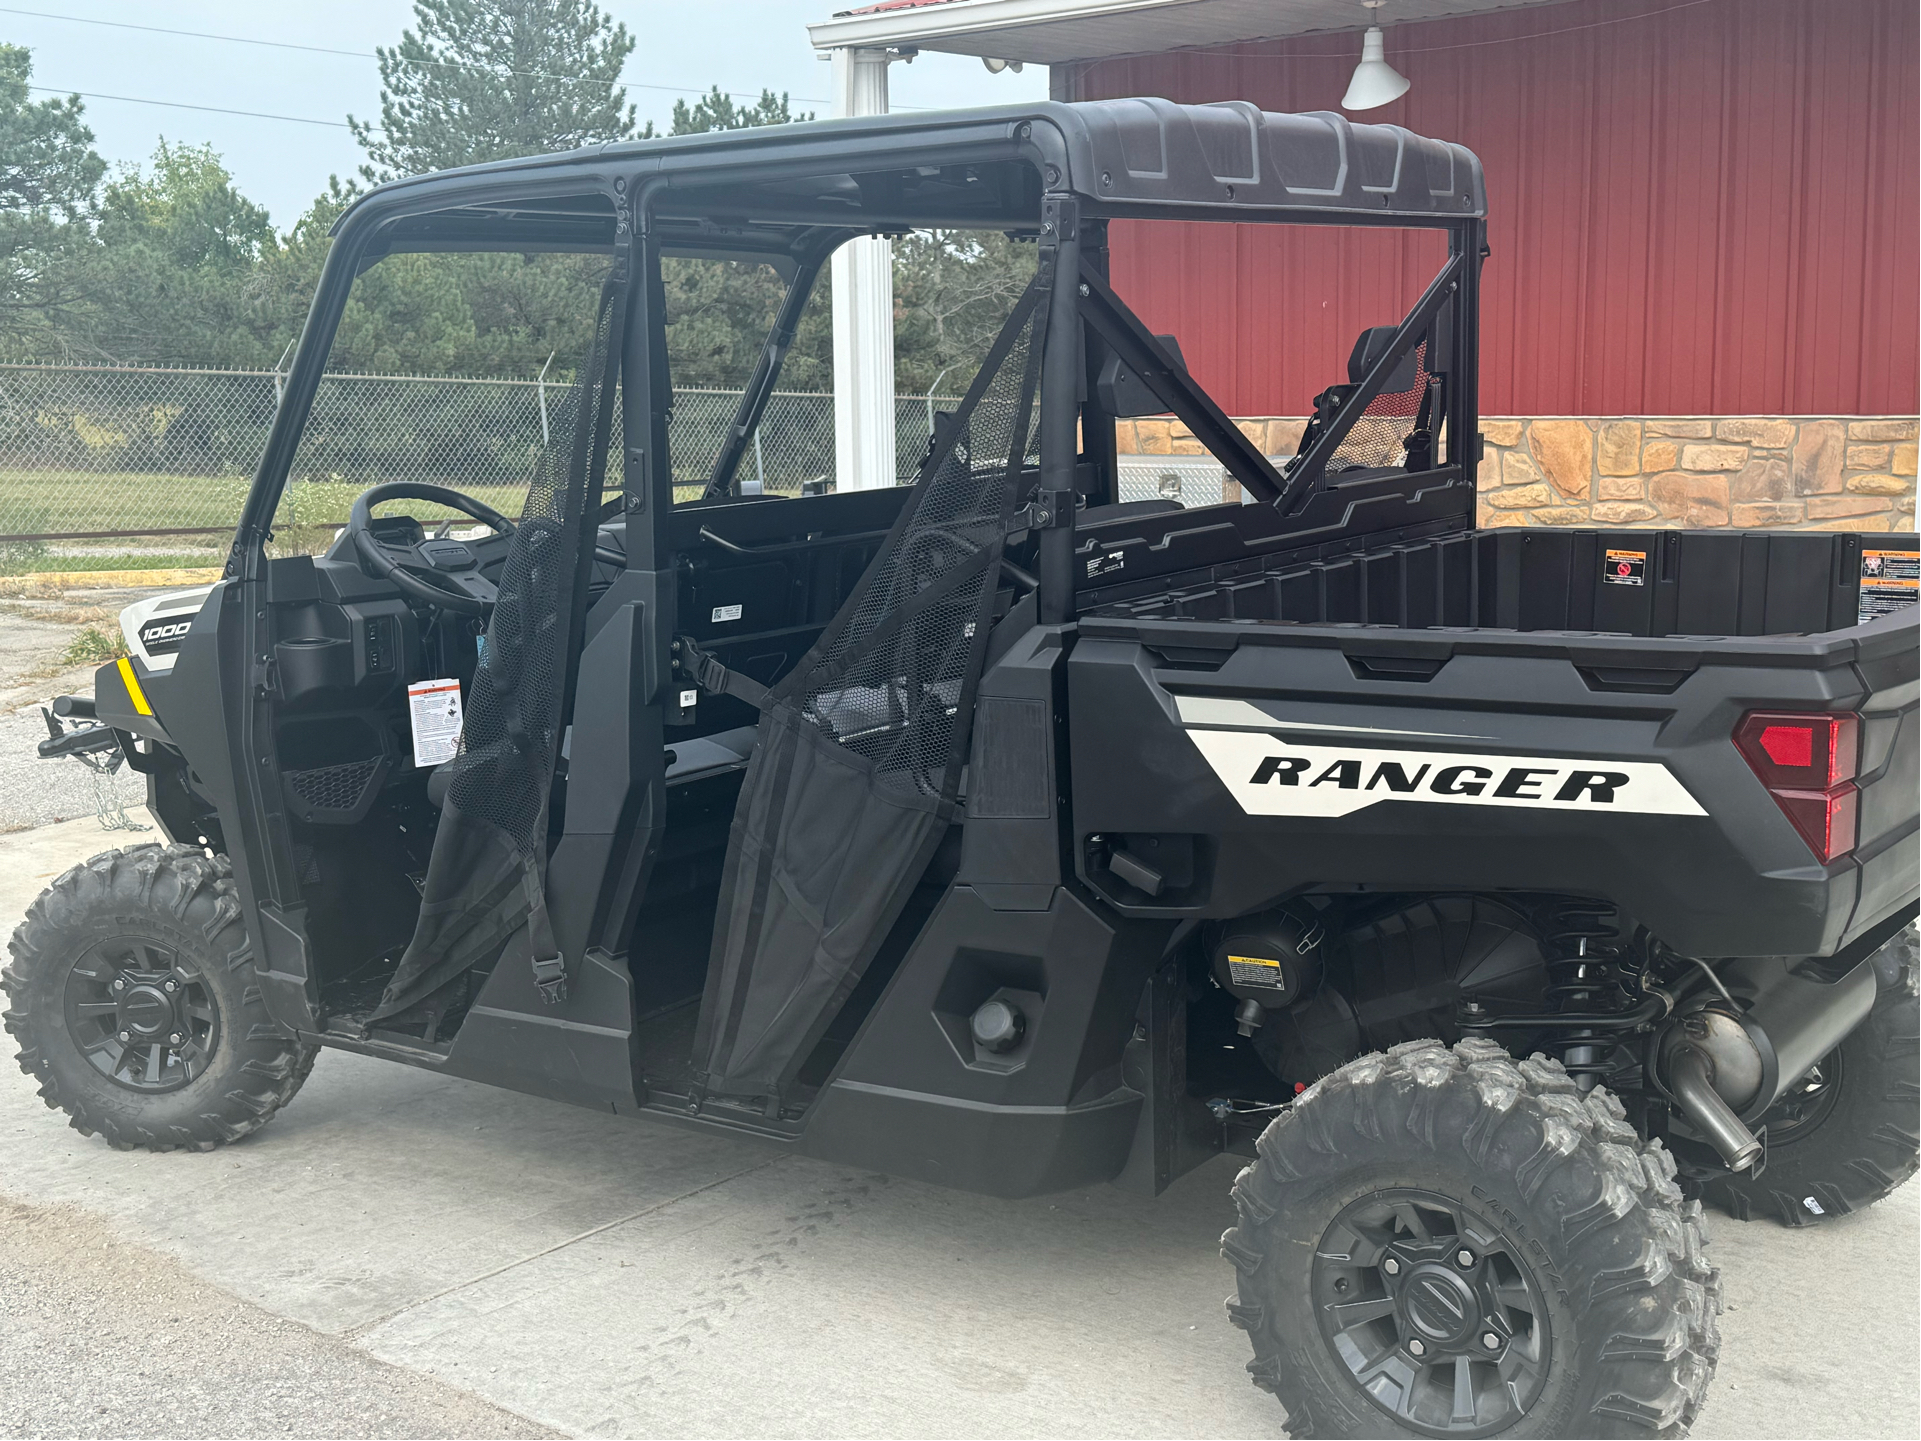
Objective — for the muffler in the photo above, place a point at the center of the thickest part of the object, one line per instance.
(1706, 1058)
(1726, 1060)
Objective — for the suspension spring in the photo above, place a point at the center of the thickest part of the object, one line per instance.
(1590, 971)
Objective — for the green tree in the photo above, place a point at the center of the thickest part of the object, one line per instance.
(176, 275)
(408, 314)
(716, 111)
(719, 311)
(953, 289)
(493, 79)
(49, 174)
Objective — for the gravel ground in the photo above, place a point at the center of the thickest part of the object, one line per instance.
(35, 792)
(77, 1303)
(34, 635)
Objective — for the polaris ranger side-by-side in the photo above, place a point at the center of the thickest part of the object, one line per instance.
(1500, 895)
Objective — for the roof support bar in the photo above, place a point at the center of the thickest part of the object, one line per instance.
(753, 400)
(1304, 472)
(1140, 352)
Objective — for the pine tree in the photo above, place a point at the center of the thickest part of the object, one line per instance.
(484, 80)
(716, 111)
(172, 279)
(49, 174)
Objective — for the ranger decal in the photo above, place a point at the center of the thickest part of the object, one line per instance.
(1273, 776)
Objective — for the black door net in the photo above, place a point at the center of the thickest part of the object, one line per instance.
(857, 772)
(484, 894)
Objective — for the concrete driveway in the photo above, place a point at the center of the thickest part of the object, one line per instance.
(468, 1261)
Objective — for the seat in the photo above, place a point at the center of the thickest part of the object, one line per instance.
(688, 760)
(712, 755)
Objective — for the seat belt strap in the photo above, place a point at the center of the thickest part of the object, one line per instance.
(713, 677)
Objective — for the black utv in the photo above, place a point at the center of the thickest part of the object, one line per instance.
(1500, 895)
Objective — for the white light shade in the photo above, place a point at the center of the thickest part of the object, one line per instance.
(1375, 81)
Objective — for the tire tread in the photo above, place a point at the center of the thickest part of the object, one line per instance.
(1641, 1377)
(203, 897)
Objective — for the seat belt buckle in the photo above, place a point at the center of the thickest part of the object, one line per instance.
(710, 675)
(550, 978)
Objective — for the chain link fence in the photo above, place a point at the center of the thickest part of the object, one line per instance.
(103, 466)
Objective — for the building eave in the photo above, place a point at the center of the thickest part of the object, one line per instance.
(1054, 32)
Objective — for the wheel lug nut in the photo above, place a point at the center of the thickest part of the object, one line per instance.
(120, 985)
(125, 1037)
(174, 1038)
(171, 986)
(1464, 1257)
(1417, 1347)
(1391, 1266)
(1491, 1341)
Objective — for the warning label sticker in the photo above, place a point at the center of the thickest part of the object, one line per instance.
(1625, 567)
(1890, 581)
(433, 707)
(1256, 971)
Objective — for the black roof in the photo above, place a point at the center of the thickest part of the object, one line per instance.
(985, 167)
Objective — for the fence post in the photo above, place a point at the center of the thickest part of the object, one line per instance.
(540, 389)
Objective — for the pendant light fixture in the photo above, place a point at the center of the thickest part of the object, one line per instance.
(1375, 82)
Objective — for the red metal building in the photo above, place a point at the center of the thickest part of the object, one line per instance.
(1697, 209)
(1703, 302)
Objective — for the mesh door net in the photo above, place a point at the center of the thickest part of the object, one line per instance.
(857, 771)
(484, 891)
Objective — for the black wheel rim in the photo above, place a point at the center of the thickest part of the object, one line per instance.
(1808, 1103)
(1434, 1312)
(141, 1014)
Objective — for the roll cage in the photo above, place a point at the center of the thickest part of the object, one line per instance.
(788, 196)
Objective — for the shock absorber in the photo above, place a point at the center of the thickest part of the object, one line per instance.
(1589, 972)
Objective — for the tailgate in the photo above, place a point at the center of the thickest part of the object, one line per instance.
(1166, 717)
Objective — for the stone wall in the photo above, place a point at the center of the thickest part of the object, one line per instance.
(1745, 472)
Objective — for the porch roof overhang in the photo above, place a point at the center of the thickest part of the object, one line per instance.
(1055, 32)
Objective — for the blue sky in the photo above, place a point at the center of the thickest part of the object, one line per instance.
(741, 45)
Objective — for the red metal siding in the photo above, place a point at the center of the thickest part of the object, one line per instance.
(1708, 211)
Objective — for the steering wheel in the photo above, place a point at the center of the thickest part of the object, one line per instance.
(459, 585)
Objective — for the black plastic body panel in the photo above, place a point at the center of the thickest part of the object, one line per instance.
(1242, 563)
(1011, 845)
(1737, 880)
(913, 1097)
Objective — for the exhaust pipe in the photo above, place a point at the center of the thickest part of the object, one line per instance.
(1727, 1061)
(1690, 1078)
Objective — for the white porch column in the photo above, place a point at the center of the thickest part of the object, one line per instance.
(863, 276)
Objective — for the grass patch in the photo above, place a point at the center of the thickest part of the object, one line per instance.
(57, 502)
(13, 564)
(94, 646)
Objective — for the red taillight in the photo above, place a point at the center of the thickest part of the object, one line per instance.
(1824, 818)
(1788, 745)
(1803, 752)
(1807, 762)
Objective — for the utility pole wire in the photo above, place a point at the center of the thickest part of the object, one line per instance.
(357, 55)
(183, 105)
